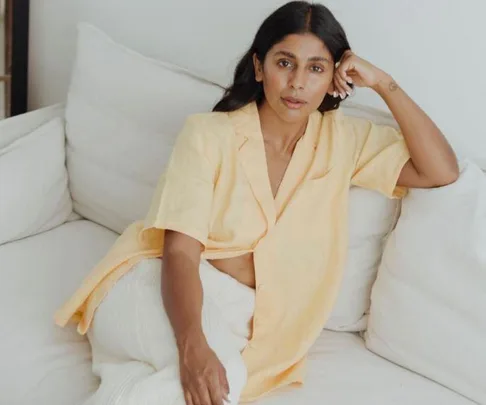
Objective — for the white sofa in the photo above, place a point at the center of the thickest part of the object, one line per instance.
(57, 220)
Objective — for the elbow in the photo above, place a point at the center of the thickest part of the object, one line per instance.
(453, 173)
(449, 180)
(442, 176)
(449, 176)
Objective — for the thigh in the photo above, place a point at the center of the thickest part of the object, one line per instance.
(132, 339)
(131, 322)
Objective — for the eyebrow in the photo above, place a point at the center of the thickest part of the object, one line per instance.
(311, 59)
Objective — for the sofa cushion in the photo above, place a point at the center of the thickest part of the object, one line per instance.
(42, 363)
(22, 125)
(123, 113)
(372, 217)
(428, 310)
(34, 194)
(341, 371)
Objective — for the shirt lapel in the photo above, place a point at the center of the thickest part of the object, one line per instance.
(300, 163)
(251, 152)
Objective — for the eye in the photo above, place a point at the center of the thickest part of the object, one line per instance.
(284, 63)
(317, 69)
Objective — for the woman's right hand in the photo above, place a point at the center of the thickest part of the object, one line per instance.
(203, 377)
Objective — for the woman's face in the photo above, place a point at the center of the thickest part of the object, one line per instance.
(296, 75)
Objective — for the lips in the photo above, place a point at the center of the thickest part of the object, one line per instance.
(293, 103)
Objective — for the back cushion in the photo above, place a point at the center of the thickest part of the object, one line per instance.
(371, 219)
(122, 115)
(34, 194)
(428, 310)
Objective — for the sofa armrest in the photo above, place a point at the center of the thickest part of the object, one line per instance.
(16, 127)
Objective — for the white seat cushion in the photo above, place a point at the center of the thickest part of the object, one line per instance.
(428, 310)
(53, 365)
(40, 362)
(341, 371)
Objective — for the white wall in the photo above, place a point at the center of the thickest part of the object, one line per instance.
(436, 49)
(52, 36)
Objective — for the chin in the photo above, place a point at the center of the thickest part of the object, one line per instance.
(293, 116)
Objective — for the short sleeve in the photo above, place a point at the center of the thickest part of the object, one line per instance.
(184, 195)
(381, 153)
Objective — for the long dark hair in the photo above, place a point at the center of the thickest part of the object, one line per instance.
(296, 17)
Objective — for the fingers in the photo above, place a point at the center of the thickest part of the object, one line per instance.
(206, 382)
(219, 388)
(215, 391)
(338, 90)
(342, 89)
(188, 398)
(223, 380)
(342, 80)
(223, 383)
(207, 392)
(197, 394)
(203, 396)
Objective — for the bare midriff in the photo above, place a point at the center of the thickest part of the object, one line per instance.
(241, 268)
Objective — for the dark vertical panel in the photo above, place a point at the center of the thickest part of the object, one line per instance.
(20, 56)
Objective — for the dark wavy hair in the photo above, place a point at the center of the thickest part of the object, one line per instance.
(295, 17)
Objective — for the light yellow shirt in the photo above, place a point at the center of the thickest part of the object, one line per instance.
(216, 189)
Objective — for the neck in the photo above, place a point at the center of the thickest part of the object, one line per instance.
(280, 135)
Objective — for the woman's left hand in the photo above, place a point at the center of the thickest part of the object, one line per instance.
(355, 70)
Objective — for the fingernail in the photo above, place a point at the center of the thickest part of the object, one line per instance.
(342, 96)
(348, 93)
(335, 94)
(350, 80)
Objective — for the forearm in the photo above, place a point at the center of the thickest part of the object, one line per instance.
(182, 296)
(430, 153)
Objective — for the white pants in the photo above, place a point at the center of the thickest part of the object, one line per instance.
(133, 344)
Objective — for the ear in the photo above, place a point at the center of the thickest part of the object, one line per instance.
(258, 68)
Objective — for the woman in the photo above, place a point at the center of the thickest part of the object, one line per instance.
(245, 239)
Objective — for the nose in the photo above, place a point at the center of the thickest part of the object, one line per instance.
(298, 79)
